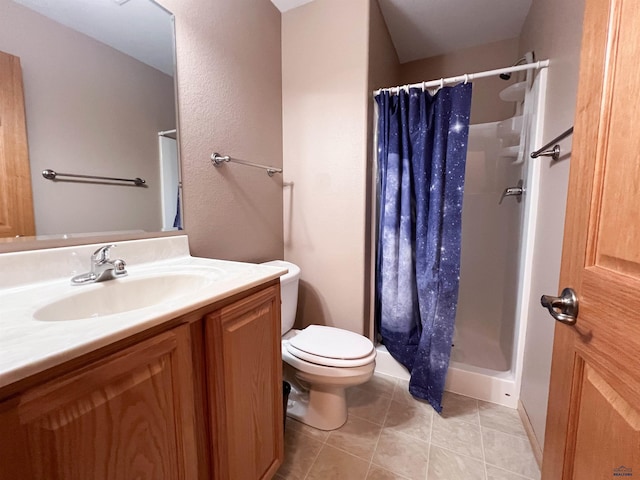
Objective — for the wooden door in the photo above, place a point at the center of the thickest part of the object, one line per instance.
(593, 422)
(244, 365)
(129, 416)
(16, 202)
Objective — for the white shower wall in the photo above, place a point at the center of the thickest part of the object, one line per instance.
(487, 299)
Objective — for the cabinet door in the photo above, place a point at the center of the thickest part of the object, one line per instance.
(244, 368)
(128, 416)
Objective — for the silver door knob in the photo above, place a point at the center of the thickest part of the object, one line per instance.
(563, 308)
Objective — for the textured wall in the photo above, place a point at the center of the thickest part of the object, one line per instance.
(325, 100)
(384, 71)
(90, 110)
(485, 104)
(553, 30)
(229, 94)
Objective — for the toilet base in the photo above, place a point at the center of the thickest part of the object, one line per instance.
(320, 406)
(324, 409)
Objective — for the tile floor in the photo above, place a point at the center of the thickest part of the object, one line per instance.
(390, 435)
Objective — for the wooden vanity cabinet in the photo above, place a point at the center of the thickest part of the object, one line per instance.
(129, 415)
(201, 400)
(244, 365)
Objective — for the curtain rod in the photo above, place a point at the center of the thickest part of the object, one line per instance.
(467, 77)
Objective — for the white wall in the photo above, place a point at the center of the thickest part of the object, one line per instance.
(553, 30)
(325, 101)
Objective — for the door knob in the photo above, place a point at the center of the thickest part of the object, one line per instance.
(563, 308)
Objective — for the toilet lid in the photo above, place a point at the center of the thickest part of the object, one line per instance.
(331, 343)
(330, 362)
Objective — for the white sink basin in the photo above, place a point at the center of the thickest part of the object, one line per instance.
(122, 295)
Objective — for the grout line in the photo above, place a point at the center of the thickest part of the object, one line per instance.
(508, 471)
(484, 458)
(514, 435)
(458, 453)
(375, 447)
(400, 476)
(433, 412)
(306, 475)
(426, 475)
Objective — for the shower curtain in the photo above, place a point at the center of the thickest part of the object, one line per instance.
(422, 144)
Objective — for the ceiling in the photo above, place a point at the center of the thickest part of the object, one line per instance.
(140, 28)
(418, 28)
(425, 28)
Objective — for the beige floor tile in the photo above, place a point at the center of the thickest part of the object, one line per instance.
(379, 473)
(380, 384)
(300, 451)
(402, 454)
(294, 425)
(367, 405)
(495, 473)
(500, 418)
(335, 464)
(411, 419)
(401, 392)
(460, 407)
(456, 435)
(357, 436)
(509, 452)
(446, 465)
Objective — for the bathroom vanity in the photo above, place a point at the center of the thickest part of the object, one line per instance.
(186, 385)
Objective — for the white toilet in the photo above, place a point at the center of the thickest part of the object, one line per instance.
(320, 362)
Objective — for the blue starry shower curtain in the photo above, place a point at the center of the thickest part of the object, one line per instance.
(422, 147)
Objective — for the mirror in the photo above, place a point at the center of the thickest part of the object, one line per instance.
(99, 99)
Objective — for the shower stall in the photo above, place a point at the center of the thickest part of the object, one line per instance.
(497, 244)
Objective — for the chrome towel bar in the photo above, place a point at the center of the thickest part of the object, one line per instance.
(555, 151)
(218, 160)
(51, 175)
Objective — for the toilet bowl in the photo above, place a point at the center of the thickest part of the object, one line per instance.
(320, 362)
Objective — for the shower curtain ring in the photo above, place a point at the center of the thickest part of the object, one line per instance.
(423, 86)
(466, 78)
(442, 83)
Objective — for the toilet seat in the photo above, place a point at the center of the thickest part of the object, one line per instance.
(330, 346)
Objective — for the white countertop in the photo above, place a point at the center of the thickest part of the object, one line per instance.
(34, 279)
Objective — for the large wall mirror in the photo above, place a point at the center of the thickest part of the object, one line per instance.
(99, 100)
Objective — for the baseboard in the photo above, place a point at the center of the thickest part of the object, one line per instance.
(535, 446)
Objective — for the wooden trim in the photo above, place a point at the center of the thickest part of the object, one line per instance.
(533, 440)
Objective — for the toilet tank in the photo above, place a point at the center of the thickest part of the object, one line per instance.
(288, 292)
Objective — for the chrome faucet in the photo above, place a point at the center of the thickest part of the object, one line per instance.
(102, 268)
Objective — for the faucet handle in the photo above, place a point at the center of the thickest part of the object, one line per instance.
(101, 255)
(516, 191)
(119, 268)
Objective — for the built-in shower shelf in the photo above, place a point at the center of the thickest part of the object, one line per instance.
(510, 152)
(510, 128)
(514, 92)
